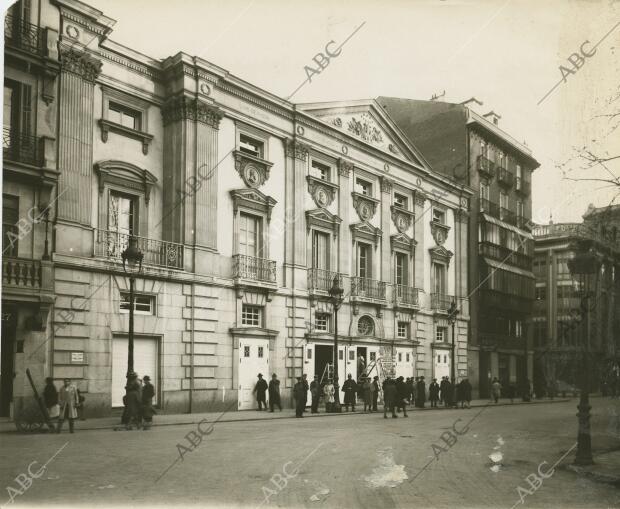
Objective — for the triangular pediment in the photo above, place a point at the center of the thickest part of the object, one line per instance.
(365, 231)
(323, 215)
(253, 195)
(402, 241)
(369, 123)
(252, 199)
(440, 253)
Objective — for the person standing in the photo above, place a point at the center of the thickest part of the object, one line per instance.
(68, 401)
(496, 389)
(260, 389)
(50, 398)
(349, 387)
(420, 398)
(389, 398)
(375, 393)
(274, 393)
(410, 390)
(367, 393)
(315, 392)
(466, 393)
(433, 393)
(134, 402)
(330, 395)
(299, 393)
(148, 393)
(402, 392)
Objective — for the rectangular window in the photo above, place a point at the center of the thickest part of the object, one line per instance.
(373, 356)
(122, 214)
(125, 116)
(400, 357)
(484, 191)
(541, 293)
(251, 146)
(402, 331)
(351, 355)
(364, 187)
(250, 228)
(321, 322)
(10, 233)
(17, 110)
(400, 201)
(439, 216)
(400, 276)
(363, 261)
(503, 200)
(320, 170)
(251, 315)
(260, 352)
(519, 173)
(441, 335)
(309, 353)
(501, 160)
(142, 304)
(407, 357)
(520, 208)
(484, 149)
(340, 355)
(320, 250)
(246, 351)
(439, 278)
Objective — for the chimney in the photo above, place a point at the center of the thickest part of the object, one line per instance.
(493, 117)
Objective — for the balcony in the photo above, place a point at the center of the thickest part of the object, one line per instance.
(160, 253)
(486, 166)
(252, 268)
(23, 35)
(370, 289)
(21, 273)
(320, 281)
(492, 340)
(441, 302)
(505, 177)
(489, 207)
(523, 187)
(406, 296)
(503, 254)
(21, 148)
(508, 216)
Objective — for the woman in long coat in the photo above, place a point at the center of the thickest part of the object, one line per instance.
(148, 393)
(68, 401)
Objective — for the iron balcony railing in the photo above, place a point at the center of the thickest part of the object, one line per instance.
(505, 255)
(505, 177)
(111, 244)
(21, 272)
(322, 280)
(21, 148)
(522, 186)
(406, 295)
(23, 35)
(485, 165)
(441, 301)
(254, 269)
(367, 288)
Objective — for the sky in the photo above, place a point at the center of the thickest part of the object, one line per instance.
(506, 53)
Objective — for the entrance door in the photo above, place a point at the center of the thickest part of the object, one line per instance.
(7, 355)
(323, 355)
(441, 364)
(253, 359)
(362, 361)
(145, 361)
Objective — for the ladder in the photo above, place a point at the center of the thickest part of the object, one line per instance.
(328, 373)
(384, 368)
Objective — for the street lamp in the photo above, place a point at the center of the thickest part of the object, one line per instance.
(132, 265)
(452, 313)
(585, 263)
(337, 298)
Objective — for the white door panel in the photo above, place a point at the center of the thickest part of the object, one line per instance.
(253, 359)
(145, 355)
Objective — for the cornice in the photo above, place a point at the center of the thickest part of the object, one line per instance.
(186, 108)
(132, 65)
(251, 98)
(79, 63)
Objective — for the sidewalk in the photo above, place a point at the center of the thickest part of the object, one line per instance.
(252, 415)
(606, 468)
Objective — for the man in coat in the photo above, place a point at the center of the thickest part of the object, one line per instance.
(300, 395)
(349, 387)
(389, 397)
(315, 392)
(274, 393)
(50, 398)
(402, 393)
(366, 393)
(465, 393)
(433, 393)
(68, 401)
(260, 389)
(148, 393)
(420, 397)
(375, 393)
(444, 390)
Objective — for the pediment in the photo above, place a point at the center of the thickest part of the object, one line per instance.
(369, 123)
(403, 241)
(323, 219)
(125, 174)
(440, 254)
(365, 231)
(252, 199)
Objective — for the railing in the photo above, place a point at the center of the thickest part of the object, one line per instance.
(441, 301)
(23, 35)
(523, 186)
(505, 177)
(508, 216)
(21, 148)
(21, 272)
(489, 207)
(322, 280)
(485, 165)
(406, 295)
(111, 244)
(367, 288)
(504, 254)
(255, 269)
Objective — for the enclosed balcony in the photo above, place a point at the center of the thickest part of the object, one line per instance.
(23, 35)
(254, 269)
(370, 289)
(486, 166)
(505, 177)
(160, 253)
(21, 148)
(406, 296)
(441, 302)
(505, 255)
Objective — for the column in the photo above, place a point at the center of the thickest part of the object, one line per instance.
(386, 217)
(344, 203)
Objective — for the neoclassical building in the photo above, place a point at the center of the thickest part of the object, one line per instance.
(245, 207)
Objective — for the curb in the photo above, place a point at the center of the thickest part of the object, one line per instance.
(320, 414)
(590, 473)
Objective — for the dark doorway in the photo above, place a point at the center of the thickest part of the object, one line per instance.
(362, 360)
(7, 358)
(485, 368)
(323, 355)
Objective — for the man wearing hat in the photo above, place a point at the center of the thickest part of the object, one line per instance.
(375, 393)
(260, 389)
(299, 393)
(274, 393)
(433, 393)
(148, 393)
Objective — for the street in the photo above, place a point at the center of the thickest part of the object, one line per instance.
(343, 461)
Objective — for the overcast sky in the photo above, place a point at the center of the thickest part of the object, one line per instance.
(505, 53)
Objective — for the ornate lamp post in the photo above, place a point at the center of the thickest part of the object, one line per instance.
(337, 298)
(452, 313)
(585, 263)
(132, 265)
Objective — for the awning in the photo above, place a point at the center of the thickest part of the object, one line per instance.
(504, 266)
(510, 227)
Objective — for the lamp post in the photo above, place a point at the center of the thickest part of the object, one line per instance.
(132, 265)
(584, 263)
(452, 313)
(337, 298)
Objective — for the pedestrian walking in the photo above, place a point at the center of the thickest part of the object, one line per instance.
(367, 394)
(389, 398)
(274, 393)
(375, 393)
(300, 395)
(420, 395)
(349, 387)
(260, 389)
(67, 401)
(315, 392)
(433, 393)
(148, 393)
(50, 398)
(402, 393)
(496, 389)
(330, 392)
(465, 393)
